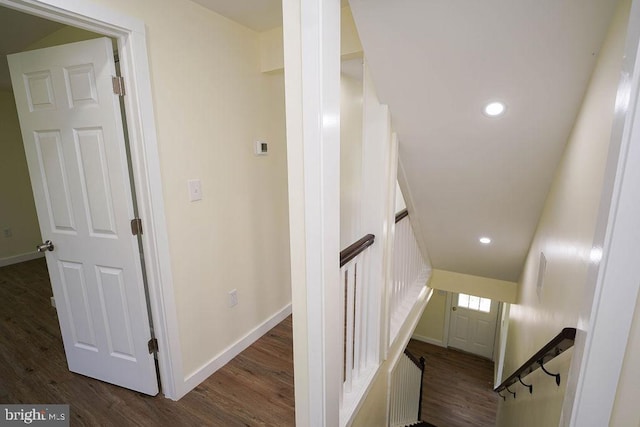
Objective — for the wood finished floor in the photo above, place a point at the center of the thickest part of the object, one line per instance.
(457, 387)
(254, 389)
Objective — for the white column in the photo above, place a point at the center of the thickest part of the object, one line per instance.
(376, 146)
(312, 85)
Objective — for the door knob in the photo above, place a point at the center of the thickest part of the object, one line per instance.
(454, 308)
(46, 246)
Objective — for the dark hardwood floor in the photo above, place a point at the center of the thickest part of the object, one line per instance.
(457, 387)
(254, 389)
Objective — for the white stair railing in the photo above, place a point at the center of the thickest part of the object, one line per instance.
(405, 393)
(356, 370)
(410, 273)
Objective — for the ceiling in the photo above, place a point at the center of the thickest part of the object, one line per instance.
(436, 64)
(17, 31)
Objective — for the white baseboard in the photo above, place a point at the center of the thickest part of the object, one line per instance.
(205, 371)
(16, 259)
(428, 340)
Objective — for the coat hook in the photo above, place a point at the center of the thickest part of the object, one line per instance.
(549, 373)
(526, 385)
(503, 397)
(514, 395)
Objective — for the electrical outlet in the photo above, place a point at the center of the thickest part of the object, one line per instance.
(7, 232)
(53, 302)
(233, 298)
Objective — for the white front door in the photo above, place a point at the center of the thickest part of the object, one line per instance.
(473, 324)
(75, 148)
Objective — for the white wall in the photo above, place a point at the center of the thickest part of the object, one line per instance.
(350, 160)
(17, 209)
(565, 234)
(400, 203)
(626, 411)
(211, 103)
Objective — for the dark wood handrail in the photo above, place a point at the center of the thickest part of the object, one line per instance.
(402, 214)
(414, 359)
(355, 249)
(560, 343)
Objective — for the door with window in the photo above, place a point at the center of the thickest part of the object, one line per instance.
(75, 148)
(473, 323)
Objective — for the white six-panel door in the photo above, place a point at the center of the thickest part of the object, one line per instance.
(74, 143)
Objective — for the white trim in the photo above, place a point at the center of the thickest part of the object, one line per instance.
(447, 318)
(613, 286)
(392, 182)
(16, 259)
(217, 362)
(131, 37)
(311, 33)
(502, 342)
(428, 340)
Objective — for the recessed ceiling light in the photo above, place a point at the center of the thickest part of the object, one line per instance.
(485, 240)
(494, 109)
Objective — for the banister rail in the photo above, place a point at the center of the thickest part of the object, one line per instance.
(559, 344)
(420, 364)
(402, 214)
(354, 249)
(405, 390)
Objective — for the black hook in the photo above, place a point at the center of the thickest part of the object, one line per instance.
(549, 373)
(503, 397)
(526, 385)
(514, 395)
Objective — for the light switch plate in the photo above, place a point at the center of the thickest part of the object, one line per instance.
(195, 190)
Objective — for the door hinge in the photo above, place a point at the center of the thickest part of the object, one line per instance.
(118, 85)
(136, 226)
(153, 345)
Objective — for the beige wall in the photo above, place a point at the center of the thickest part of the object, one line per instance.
(350, 159)
(565, 234)
(211, 103)
(498, 290)
(62, 36)
(431, 325)
(17, 209)
(272, 52)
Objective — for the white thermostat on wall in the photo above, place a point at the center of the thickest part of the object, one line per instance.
(262, 148)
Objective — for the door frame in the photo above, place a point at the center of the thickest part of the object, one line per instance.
(145, 163)
(447, 319)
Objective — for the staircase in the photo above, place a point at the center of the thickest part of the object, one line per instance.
(406, 391)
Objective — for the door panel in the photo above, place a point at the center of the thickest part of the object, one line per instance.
(74, 142)
(473, 330)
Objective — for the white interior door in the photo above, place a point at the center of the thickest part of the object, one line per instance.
(74, 143)
(473, 324)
